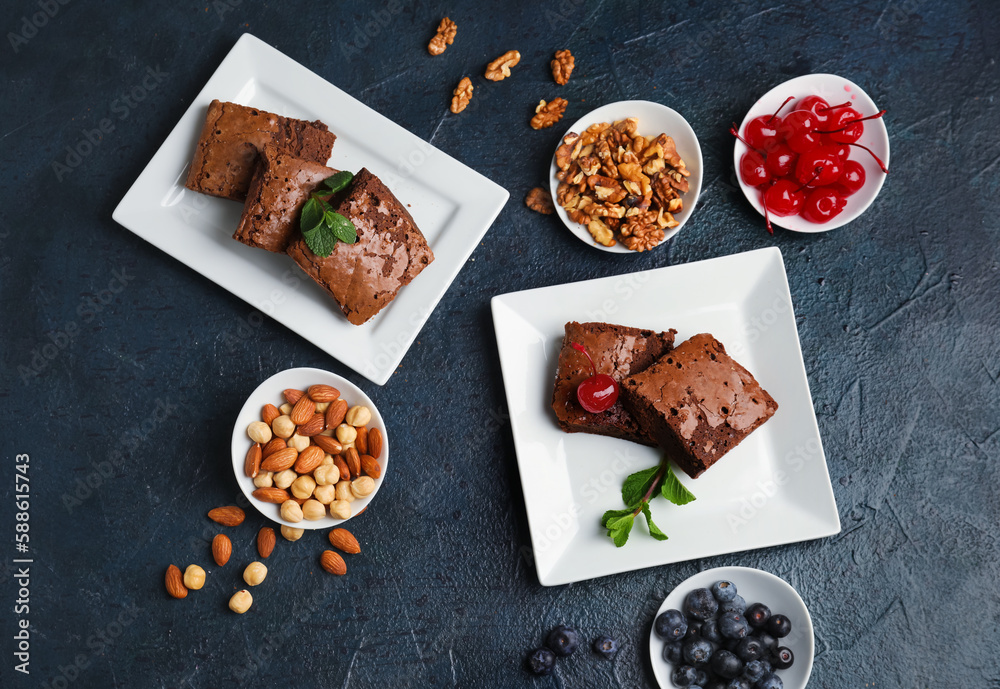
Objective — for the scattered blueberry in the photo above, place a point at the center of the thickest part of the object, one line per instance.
(724, 591)
(766, 639)
(670, 625)
(737, 604)
(771, 681)
(755, 670)
(782, 658)
(563, 640)
(733, 626)
(605, 646)
(701, 604)
(541, 661)
(750, 649)
(726, 665)
(757, 615)
(673, 652)
(684, 676)
(697, 652)
(710, 631)
(779, 626)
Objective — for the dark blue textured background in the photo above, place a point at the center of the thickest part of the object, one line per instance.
(897, 314)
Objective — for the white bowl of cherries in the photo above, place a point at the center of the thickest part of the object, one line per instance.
(812, 154)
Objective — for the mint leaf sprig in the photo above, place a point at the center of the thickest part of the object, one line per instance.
(638, 489)
(322, 226)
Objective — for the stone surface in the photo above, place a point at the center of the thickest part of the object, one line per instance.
(122, 369)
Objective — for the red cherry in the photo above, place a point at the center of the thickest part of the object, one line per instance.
(819, 167)
(753, 170)
(798, 130)
(845, 126)
(762, 132)
(817, 106)
(780, 160)
(784, 198)
(823, 205)
(843, 150)
(852, 178)
(599, 392)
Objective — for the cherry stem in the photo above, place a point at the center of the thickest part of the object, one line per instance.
(580, 348)
(734, 132)
(851, 122)
(834, 107)
(767, 217)
(816, 173)
(878, 160)
(782, 107)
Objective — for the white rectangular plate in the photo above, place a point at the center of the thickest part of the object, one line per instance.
(452, 205)
(771, 489)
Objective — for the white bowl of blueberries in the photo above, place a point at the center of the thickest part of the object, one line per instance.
(732, 628)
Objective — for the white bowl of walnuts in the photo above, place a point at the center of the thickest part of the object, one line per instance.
(309, 449)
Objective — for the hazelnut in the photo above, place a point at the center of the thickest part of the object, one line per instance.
(346, 433)
(358, 416)
(259, 432)
(241, 601)
(343, 491)
(303, 487)
(363, 487)
(325, 494)
(285, 409)
(254, 573)
(283, 426)
(291, 533)
(194, 577)
(283, 479)
(313, 510)
(321, 407)
(299, 442)
(290, 511)
(326, 474)
(265, 479)
(340, 509)
(327, 460)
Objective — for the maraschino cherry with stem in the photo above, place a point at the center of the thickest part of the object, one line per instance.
(599, 392)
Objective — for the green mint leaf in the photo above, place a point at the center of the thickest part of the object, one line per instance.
(654, 530)
(312, 215)
(337, 182)
(343, 228)
(613, 514)
(619, 529)
(673, 490)
(637, 485)
(320, 240)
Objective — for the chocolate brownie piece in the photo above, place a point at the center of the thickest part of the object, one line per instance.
(697, 402)
(233, 136)
(280, 187)
(617, 351)
(365, 276)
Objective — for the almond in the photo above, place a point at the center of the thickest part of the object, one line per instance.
(375, 442)
(313, 426)
(280, 460)
(353, 460)
(361, 441)
(269, 413)
(292, 395)
(302, 411)
(331, 445)
(335, 413)
(345, 473)
(370, 466)
(265, 542)
(273, 446)
(323, 393)
(227, 516)
(344, 540)
(333, 563)
(222, 549)
(175, 581)
(251, 465)
(271, 494)
(309, 459)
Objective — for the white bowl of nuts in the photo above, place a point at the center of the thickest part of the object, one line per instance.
(638, 191)
(309, 449)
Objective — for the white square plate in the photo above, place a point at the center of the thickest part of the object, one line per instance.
(452, 205)
(771, 489)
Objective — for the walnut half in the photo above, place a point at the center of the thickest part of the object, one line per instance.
(462, 95)
(499, 69)
(540, 201)
(547, 114)
(444, 37)
(562, 66)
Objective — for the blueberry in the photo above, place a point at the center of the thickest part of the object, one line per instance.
(605, 646)
(782, 658)
(710, 631)
(737, 683)
(724, 591)
(563, 640)
(541, 661)
(733, 626)
(702, 678)
(737, 604)
(701, 604)
(771, 681)
(670, 625)
(694, 630)
(726, 665)
(768, 641)
(731, 645)
(755, 670)
(750, 649)
(697, 652)
(757, 615)
(779, 626)
(684, 676)
(716, 683)
(673, 652)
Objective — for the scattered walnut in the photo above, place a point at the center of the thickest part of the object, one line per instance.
(462, 95)
(499, 69)
(547, 114)
(562, 66)
(540, 201)
(444, 37)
